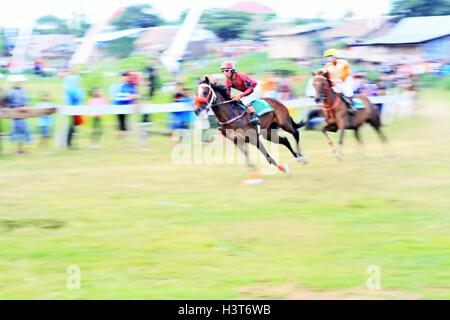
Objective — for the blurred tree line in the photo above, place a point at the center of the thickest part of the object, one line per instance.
(419, 8)
(230, 24)
(138, 16)
(134, 16)
(77, 25)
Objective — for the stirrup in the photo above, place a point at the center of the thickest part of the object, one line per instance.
(254, 119)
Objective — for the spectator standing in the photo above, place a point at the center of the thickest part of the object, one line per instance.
(152, 74)
(123, 94)
(97, 128)
(182, 119)
(17, 99)
(73, 96)
(45, 122)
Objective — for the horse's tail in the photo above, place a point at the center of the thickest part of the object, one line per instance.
(298, 125)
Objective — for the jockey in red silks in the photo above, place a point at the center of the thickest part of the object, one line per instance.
(241, 82)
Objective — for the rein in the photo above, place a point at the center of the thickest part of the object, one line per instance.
(221, 103)
(233, 119)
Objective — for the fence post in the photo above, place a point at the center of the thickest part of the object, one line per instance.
(61, 133)
(1, 135)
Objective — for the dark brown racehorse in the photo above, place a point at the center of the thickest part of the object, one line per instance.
(235, 122)
(337, 116)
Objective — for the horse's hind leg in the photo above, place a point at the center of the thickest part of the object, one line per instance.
(375, 122)
(300, 158)
(292, 130)
(387, 150)
(381, 134)
(272, 135)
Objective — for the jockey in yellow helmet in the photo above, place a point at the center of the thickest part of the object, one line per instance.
(339, 74)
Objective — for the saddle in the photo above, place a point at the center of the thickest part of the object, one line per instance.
(261, 107)
(357, 103)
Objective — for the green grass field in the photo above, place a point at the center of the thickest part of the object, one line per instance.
(139, 226)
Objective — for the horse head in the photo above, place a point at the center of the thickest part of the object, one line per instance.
(204, 97)
(322, 84)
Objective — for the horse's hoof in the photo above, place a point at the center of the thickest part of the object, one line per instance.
(338, 153)
(253, 182)
(285, 168)
(301, 159)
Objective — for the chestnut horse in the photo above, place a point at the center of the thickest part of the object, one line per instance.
(337, 116)
(235, 122)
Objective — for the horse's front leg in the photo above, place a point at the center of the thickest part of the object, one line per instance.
(324, 131)
(243, 147)
(239, 140)
(262, 149)
(335, 149)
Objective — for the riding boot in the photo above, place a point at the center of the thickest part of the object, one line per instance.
(351, 109)
(254, 119)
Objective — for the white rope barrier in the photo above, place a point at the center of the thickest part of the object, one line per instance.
(179, 106)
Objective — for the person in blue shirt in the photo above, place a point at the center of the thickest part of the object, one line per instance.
(181, 119)
(125, 93)
(73, 96)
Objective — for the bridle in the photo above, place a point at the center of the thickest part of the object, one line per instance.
(211, 95)
(210, 99)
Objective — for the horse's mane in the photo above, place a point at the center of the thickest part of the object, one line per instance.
(219, 88)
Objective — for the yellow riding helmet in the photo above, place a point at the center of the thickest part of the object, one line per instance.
(330, 52)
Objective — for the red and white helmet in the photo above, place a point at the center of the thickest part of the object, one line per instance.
(227, 65)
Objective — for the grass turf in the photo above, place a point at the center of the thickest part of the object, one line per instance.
(140, 226)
